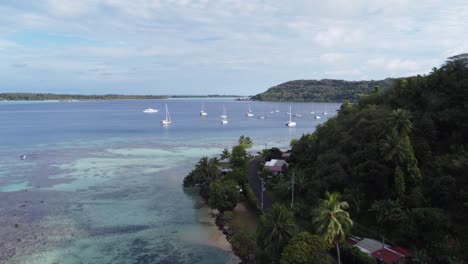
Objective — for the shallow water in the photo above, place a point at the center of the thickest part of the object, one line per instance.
(101, 181)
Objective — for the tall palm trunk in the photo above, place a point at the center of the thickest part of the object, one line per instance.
(338, 252)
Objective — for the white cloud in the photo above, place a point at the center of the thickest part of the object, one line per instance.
(339, 36)
(333, 58)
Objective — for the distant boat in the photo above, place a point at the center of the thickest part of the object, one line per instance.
(224, 121)
(317, 117)
(262, 117)
(202, 112)
(150, 111)
(325, 113)
(272, 112)
(290, 123)
(166, 121)
(312, 112)
(276, 111)
(297, 115)
(249, 113)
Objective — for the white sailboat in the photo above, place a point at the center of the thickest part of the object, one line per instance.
(224, 116)
(290, 123)
(249, 113)
(202, 112)
(150, 110)
(317, 117)
(166, 121)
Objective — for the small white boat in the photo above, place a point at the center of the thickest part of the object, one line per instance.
(312, 113)
(276, 111)
(325, 113)
(297, 115)
(249, 113)
(290, 123)
(150, 111)
(317, 117)
(202, 112)
(272, 112)
(261, 117)
(224, 121)
(166, 121)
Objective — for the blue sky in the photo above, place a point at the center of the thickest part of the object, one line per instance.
(219, 47)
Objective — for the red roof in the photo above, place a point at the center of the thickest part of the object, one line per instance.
(389, 256)
(402, 251)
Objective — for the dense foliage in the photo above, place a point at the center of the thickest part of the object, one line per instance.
(322, 90)
(305, 248)
(352, 255)
(224, 195)
(399, 158)
(275, 230)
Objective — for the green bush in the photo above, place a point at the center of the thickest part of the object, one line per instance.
(227, 216)
(244, 245)
(352, 255)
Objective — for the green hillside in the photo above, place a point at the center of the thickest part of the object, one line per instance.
(325, 90)
(399, 157)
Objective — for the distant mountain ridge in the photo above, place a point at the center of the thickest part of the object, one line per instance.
(325, 90)
(65, 97)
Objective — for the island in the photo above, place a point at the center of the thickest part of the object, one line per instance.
(325, 90)
(81, 97)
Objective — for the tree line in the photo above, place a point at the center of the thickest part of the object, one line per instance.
(325, 90)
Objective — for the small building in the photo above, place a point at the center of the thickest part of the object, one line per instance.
(276, 166)
(381, 252)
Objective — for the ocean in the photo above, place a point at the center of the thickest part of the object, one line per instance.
(101, 182)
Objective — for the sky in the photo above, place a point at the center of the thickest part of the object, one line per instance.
(219, 47)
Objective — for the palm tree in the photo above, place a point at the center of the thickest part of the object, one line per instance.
(226, 154)
(275, 229)
(400, 122)
(245, 141)
(388, 211)
(333, 221)
(206, 170)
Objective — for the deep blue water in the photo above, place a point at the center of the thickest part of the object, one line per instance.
(101, 182)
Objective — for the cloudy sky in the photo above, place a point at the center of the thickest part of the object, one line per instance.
(223, 46)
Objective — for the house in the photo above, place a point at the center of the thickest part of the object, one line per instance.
(276, 166)
(381, 252)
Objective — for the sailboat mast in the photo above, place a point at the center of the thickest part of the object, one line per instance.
(290, 114)
(167, 114)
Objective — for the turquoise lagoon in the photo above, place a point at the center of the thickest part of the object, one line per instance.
(101, 181)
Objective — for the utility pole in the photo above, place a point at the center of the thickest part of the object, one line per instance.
(383, 247)
(263, 183)
(292, 191)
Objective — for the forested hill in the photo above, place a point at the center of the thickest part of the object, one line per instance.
(325, 90)
(399, 157)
